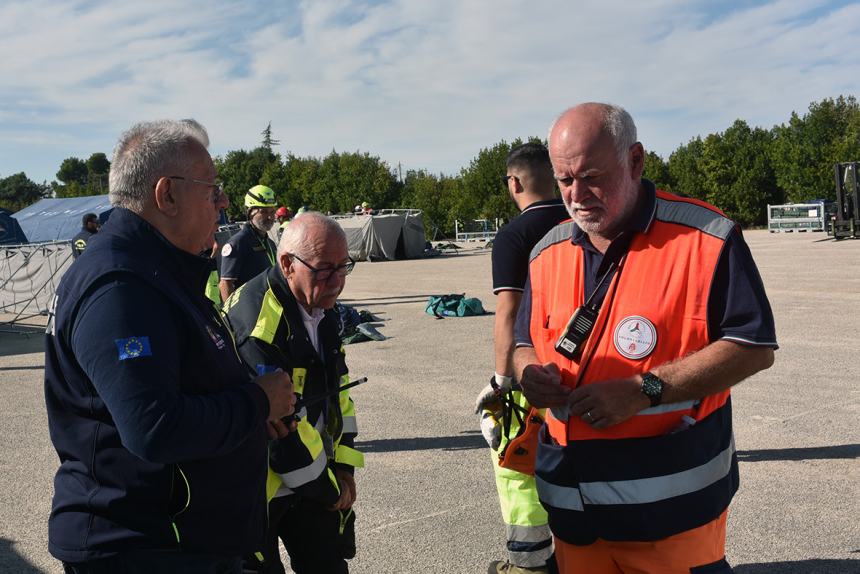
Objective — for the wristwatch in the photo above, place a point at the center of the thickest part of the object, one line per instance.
(652, 387)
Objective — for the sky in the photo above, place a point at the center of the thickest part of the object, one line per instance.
(420, 84)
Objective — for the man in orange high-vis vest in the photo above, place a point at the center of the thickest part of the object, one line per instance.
(638, 316)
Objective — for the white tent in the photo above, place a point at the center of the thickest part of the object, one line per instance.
(392, 234)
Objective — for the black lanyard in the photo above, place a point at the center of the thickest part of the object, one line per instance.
(581, 323)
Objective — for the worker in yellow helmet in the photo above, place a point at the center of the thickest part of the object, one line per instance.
(250, 252)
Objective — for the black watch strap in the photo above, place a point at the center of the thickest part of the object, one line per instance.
(652, 387)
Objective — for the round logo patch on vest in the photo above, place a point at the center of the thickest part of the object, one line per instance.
(635, 337)
(226, 250)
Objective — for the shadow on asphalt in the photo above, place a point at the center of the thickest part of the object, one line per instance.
(24, 368)
(466, 441)
(806, 453)
(396, 300)
(801, 567)
(26, 340)
(11, 561)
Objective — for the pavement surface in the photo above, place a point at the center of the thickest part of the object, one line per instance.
(426, 500)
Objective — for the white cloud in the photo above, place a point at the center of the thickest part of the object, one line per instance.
(426, 84)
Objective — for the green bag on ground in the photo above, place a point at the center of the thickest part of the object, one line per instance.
(454, 305)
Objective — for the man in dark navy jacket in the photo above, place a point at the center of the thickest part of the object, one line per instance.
(160, 429)
(89, 227)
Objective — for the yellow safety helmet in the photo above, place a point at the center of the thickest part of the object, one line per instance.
(260, 196)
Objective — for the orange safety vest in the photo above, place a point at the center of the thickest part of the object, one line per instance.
(655, 474)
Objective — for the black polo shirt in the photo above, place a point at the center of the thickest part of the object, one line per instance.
(514, 242)
(738, 308)
(246, 255)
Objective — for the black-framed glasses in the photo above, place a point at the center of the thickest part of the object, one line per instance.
(325, 273)
(217, 189)
(505, 179)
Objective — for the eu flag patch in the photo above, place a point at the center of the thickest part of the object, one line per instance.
(133, 347)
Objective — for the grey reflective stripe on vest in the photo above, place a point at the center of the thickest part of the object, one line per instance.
(645, 490)
(562, 413)
(668, 408)
(637, 491)
(564, 497)
(692, 215)
(350, 425)
(306, 474)
(559, 233)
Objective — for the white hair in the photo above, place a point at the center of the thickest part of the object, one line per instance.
(617, 122)
(147, 151)
(296, 240)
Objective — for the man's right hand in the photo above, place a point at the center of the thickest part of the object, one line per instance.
(542, 386)
(279, 390)
(346, 483)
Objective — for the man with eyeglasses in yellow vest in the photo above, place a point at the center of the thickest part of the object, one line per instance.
(250, 252)
(285, 319)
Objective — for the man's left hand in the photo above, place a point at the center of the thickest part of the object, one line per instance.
(608, 403)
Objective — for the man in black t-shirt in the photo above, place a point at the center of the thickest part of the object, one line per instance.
(532, 187)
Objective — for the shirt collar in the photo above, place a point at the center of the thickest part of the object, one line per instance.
(543, 203)
(314, 317)
(640, 221)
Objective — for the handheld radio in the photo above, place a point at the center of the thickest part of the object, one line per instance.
(581, 323)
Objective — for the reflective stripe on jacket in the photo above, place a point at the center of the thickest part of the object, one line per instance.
(656, 475)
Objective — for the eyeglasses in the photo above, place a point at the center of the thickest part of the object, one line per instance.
(217, 193)
(505, 179)
(326, 273)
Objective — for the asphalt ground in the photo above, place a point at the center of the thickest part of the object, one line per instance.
(426, 500)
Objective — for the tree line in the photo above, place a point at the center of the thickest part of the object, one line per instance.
(740, 170)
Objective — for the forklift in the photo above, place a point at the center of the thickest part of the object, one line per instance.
(845, 221)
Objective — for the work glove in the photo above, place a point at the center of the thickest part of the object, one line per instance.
(490, 394)
(491, 429)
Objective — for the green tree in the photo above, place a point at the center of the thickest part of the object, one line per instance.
(806, 149)
(73, 170)
(239, 171)
(435, 196)
(685, 172)
(268, 142)
(98, 168)
(17, 191)
(657, 171)
(737, 173)
(73, 176)
(300, 175)
(484, 195)
(344, 180)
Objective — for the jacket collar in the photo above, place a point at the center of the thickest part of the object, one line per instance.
(149, 244)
